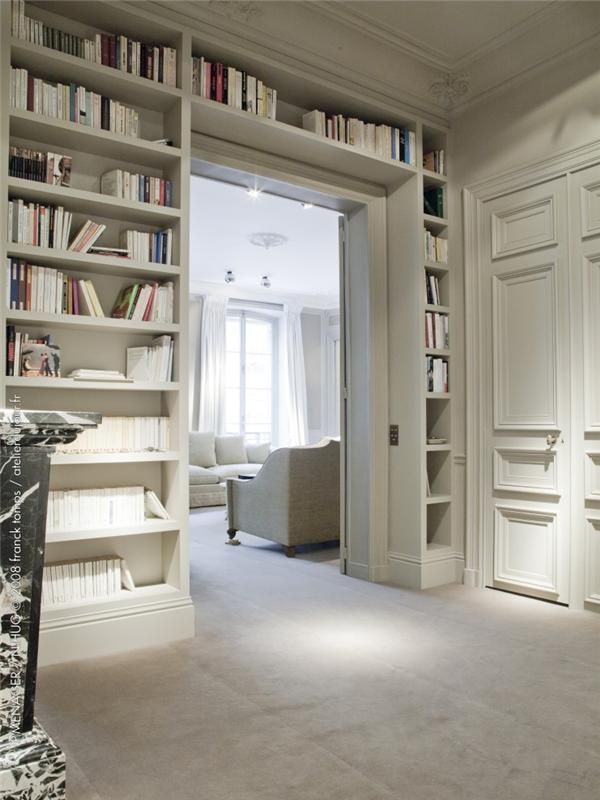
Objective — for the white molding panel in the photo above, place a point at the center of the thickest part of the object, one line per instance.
(527, 227)
(592, 475)
(526, 536)
(525, 376)
(592, 560)
(590, 210)
(518, 469)
(591, 341)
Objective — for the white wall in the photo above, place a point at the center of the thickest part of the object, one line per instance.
(313, 366)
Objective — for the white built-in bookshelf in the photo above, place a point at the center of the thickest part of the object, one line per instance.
(156, 551)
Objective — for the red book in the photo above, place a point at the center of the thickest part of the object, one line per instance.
(75, 286)
(22, 286)
(150, 303)
(104, 38)
(219, 85)
(162, 192)
(28, 287)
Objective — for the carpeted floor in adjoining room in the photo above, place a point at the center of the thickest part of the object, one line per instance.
(302, 684)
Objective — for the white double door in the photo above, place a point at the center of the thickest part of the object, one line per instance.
(524, 263)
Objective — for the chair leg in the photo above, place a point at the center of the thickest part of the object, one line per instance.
(289, 550)
(231, 532)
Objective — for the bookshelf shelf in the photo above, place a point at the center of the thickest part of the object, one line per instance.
(436, 267)
(84, 202)
(433, 178)
(435, 224)
(54, 65)
(441, 353)
(68, 459)
(88, 262)
(71, 135)
(90, 609)
(438, 498)
(437, 395)
(438, 448)
(220, 121)
(437, 309)
(107, 386)
(83, 534)
(438, 549)
(103, 324)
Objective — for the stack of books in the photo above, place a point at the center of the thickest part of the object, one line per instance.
(97, 375)
(71, 103)
(153, 363)
(233, 87)
(436, 248)
(38, 224)
(143, 246)
(31, 357)
(49, 291)
(434, 202)
(89, 232)
(122, 435)
(147, 302)
(35, 165)
(155, 62)
(101, 578)
(132, 186)
(436, 331)
(95, 508)
(437, 374)
(434, 161)
(432, 289)
(399, 144)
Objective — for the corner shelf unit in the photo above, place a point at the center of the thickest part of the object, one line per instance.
(160, 609)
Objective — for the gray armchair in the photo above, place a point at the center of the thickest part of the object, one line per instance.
(294, 499)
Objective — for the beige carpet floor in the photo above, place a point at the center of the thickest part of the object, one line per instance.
(302, 684)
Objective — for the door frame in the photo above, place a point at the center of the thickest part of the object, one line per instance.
(474, 196)
(342, 193)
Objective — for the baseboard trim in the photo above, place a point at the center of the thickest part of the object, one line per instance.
(380, 573)
(356, 570)
(472, 578)
(425, 573)
(63, 642)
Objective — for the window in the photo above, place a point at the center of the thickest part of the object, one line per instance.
(251, 382)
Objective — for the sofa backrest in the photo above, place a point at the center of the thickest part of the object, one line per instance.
(202, 449)
(208, 450)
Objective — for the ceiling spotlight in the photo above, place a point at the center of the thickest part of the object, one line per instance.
(229, 276)
(253, 193)
(265, 282)
(306, 206)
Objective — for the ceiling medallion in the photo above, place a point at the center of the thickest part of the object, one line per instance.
(450, 88)
(267, 240)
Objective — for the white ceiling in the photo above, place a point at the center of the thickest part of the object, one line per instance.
(223, 216)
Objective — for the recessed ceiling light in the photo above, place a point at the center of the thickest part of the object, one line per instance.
(265, 282)
(253, 193)
(306, 206)
(229, 276)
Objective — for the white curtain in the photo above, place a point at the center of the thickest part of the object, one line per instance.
(212, 353)
(296, 413)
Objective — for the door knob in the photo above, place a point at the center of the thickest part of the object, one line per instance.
(552, 439)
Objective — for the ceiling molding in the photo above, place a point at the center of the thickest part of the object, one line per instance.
(308, 301)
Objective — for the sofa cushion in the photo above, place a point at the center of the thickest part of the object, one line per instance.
(202, 449)
(233, 470)
(258, 453)
(200, 476)
(230, 450)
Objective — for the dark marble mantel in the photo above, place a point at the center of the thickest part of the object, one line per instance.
(26, 444)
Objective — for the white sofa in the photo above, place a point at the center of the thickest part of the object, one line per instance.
(213, 459)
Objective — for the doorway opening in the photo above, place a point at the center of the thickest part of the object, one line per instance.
(268, 372)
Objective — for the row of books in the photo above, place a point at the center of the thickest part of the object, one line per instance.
(435, 161)
(49, 291)
(95, 508)
(35, 165)
(145, 302)
(99, 578)
(233, 87)
(434, 202)
(132, 186)
(437, 374)
(437, 335)
(399, 144)
(36, 357)
(154, 363)
(122, 435)
(155, 62)
(436, 248)
(39, 225)
(432, 289)
(156, 247)
(72, 103)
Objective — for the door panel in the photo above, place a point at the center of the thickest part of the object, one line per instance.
(525, 298)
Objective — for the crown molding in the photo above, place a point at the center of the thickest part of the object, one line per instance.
(311, 302)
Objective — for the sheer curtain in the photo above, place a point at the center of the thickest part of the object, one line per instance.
(296, 403)
(211, 355)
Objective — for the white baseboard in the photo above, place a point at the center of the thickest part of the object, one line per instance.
(426, 573)
(62, 641)
(379, 573)
(356, 570)
(472, 578)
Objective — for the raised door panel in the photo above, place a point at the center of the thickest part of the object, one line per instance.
(592, 476)
(524, 332)
(525, 549)
(591, 344)
(590, 209)
(524, 227)
(592, 560)
(519, 469)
